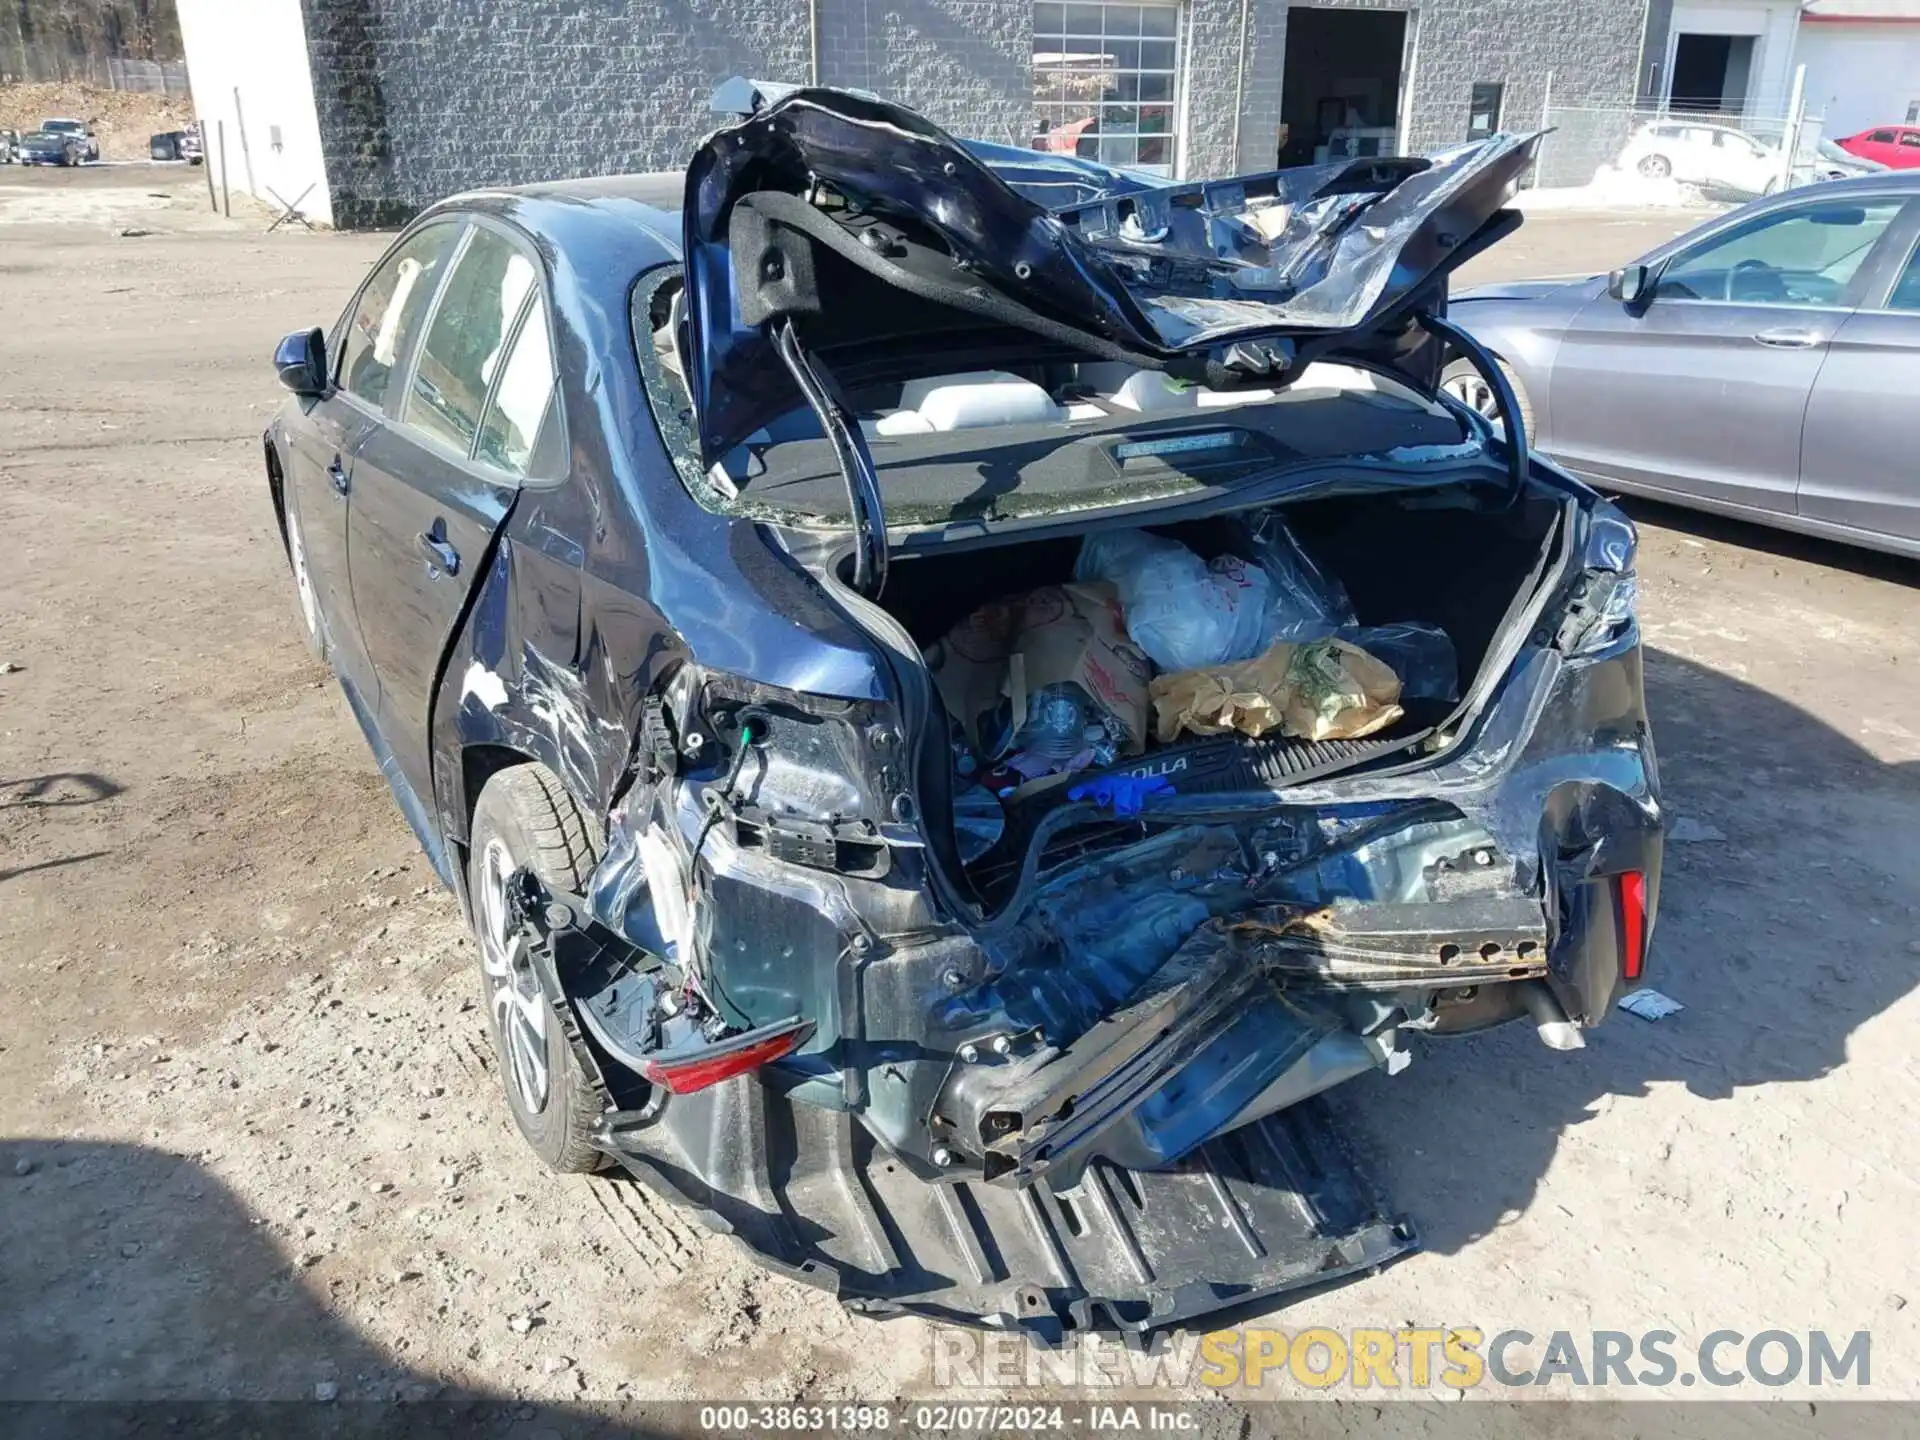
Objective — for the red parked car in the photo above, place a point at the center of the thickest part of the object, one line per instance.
(1895, 146)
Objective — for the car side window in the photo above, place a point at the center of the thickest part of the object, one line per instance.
(1906, 290)
(389, 310)
(1880, 137)
(1911, 138)
(522, 398)
(1802, 256)
(467, 339)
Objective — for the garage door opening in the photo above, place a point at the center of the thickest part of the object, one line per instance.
(1340, 91)
(1710, 73)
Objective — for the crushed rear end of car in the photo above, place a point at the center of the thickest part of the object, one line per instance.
(1051, 1059)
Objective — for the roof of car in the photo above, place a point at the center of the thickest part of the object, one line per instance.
(660, 189)
(595, 209)
(1877, 183)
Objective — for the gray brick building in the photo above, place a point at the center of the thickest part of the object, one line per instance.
(386, 105)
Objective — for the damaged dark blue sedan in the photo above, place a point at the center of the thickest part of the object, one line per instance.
(645, 521)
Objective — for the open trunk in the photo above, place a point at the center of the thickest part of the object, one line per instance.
(1461, 560)
(1423, 555)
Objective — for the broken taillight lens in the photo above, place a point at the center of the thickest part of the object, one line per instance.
(684, 1075)
(1633, 922)
(1600, 613)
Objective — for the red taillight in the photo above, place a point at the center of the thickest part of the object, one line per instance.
(1633, 922)
(683, 1077)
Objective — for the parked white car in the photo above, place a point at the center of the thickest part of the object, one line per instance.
(1698, 154)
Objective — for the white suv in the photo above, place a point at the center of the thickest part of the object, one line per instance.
(1698, 154)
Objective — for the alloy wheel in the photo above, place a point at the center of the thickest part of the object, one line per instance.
(302, 581)
(1473, 392)
(518, 1005)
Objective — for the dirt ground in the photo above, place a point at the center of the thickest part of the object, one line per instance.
(253, 1146)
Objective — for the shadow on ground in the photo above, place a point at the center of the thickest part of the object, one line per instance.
(1783, 927)
(131, 1275)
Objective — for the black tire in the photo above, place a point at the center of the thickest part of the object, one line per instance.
(1656, 167)
(1460, 378)
(526, 818)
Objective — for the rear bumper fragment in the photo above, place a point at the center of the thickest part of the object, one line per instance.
(1274, 1206)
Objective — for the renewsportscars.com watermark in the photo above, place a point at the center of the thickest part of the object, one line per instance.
(1458, 1357)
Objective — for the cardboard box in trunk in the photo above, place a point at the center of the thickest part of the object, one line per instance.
(1057, 635)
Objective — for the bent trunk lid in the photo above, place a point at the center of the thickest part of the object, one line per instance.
(880, 237)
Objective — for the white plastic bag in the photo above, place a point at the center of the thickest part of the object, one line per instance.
(1182, 611)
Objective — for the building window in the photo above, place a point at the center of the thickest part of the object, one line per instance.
(1105, 81)
(1483, 110)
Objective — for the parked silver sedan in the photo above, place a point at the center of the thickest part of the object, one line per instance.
(1765, 365)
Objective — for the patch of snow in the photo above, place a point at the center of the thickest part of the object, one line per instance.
(1612, 189)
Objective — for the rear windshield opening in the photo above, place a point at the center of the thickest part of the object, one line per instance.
(1024, 435)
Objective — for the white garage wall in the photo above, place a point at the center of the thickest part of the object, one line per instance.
(247, 60)
(1860, 75)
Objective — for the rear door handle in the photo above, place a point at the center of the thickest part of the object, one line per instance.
(1788, 339)
(337, 473)
(439, 553)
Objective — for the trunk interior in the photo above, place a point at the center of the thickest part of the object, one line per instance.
(1430, 556)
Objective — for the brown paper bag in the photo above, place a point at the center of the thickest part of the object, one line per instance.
(1320, 690)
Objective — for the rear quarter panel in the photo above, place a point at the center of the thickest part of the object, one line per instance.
(1525, 334)
(602, 583)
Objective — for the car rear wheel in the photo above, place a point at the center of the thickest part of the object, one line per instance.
(526, 820)
(1656, 167)
(1465, 384)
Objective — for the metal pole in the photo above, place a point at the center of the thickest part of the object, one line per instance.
(1546, 124)
(246, 152)
(1240, 87)
(213, 200)
(1796, 116)
(226, 195)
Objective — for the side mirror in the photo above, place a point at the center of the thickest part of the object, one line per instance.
(1631, 284)
(301, 360)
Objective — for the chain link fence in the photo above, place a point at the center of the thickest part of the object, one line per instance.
(50, 65)
(1659, 157)
(154, 77)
